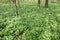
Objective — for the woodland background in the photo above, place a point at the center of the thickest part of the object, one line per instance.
(29, 19)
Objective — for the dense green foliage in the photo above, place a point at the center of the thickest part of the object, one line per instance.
(32, 23)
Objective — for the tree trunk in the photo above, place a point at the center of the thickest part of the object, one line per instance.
(16, 3)
(46, 4)
(16, 10)
(38, 3)
(16, 7)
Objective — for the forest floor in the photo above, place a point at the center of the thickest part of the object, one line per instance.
(33, 23)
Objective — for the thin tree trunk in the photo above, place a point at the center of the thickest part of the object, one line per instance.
(38, 3)
(16, 8)
(46, 4)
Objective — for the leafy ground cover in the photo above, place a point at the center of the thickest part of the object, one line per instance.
(31, 24)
